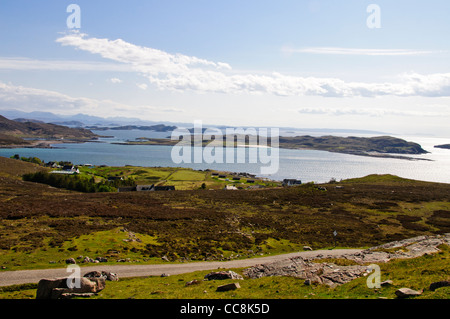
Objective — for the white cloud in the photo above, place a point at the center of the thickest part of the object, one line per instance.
(26, 64)
(355, 51)
(115, 80)
(180, 72)
(30, 99)
(142, 86)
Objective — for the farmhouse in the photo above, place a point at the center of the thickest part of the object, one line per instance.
(291, 182)
(68, 170)
(164, 188)
(145, 188)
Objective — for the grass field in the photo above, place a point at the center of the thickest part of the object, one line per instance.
(41, 226)
(181, 178)
(417, 273)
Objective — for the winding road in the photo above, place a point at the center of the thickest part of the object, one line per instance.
(8, 278)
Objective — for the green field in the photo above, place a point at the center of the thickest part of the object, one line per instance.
(181, 178)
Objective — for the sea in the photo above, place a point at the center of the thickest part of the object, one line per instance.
(305, 165)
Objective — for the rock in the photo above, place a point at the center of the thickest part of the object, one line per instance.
(164, 258)
(102, 259)
(192, 282)
(228, 287)
(307, 248)
(386, 283)
(221, 275)
(88, 260)
(165, 275)
(57, 288)
(407, 292)
(70, 261)
(102, 274)
(45, 287)
(439, 284)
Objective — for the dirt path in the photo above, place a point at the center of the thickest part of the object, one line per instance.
(8, 278)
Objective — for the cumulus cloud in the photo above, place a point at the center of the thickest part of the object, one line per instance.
(21, 64)
(115, 80)
(31, 99)
(181, 72)
(142, 86)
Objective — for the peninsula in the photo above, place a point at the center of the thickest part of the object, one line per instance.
(36, 134)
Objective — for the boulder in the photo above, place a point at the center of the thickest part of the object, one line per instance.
(407, 292)
(228, 287)
(102, 274)
(439, 284)
(192, 282)
(57, 288)
(221, 275)
(307, 248)
(70, 261)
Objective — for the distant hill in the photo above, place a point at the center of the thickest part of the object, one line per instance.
(446, 146)
(156, 128)
(14, 132)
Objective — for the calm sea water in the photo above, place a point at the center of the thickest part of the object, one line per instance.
(307, 165)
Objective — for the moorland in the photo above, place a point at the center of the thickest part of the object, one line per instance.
(42, 226)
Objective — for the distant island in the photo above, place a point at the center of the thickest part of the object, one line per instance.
(155, 128)
(446, 146)
(381, 146)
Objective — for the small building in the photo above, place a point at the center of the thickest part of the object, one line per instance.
(236, 178)
(251, 181)
(126, 189)
(222, 176)
(145, 188)
(291, 182)
(164, 188)
(67, 170)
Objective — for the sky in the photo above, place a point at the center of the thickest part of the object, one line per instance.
(375, 65)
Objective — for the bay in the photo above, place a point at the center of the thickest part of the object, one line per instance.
(306, 165)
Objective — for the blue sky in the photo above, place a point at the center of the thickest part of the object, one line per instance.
(311, 63)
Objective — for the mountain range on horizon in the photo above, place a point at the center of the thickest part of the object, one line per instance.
(83, 120)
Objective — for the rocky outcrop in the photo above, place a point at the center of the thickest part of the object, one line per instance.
(321, 273)
(314, 271)
(89, 285)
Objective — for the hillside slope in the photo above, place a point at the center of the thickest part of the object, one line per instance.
(13, 132)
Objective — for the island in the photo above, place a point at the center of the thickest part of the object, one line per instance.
(380, 146)
(445, 146)
(155, 128)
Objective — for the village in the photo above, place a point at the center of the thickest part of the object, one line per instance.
(141, 179)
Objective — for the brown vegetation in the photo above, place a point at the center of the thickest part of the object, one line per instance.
(199, 224)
